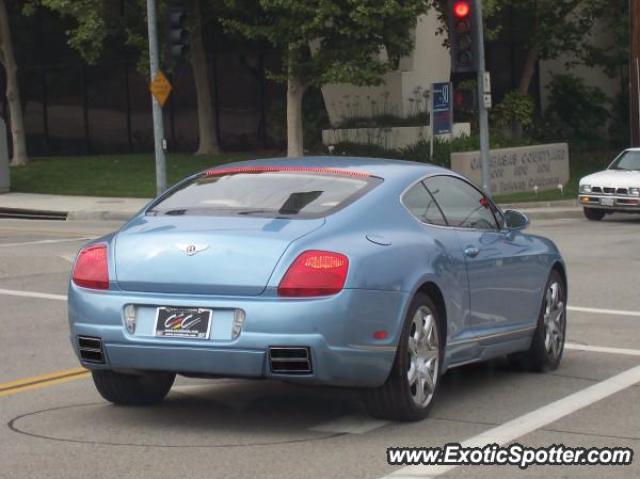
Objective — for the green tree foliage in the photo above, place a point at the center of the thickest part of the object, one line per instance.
(576, 112)
(332, 41)
(97, 22)
(328, 41)
(550, 28)
(612, 54)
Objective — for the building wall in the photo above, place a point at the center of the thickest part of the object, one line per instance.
(405, 91)
(595, 77)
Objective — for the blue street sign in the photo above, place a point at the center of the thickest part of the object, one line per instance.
(441, 108)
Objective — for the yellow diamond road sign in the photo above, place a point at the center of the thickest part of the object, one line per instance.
(160, 88)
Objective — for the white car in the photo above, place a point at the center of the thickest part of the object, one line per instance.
(616, 189)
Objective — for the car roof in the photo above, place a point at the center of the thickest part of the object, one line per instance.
(382, 167)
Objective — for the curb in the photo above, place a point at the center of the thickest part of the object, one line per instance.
(531, 205)
(553, 213)
(105, 215)
(24, 213)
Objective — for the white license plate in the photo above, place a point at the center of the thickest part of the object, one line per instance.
(607, 201)
(184, 322)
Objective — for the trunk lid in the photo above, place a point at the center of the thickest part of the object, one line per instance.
(204, 254)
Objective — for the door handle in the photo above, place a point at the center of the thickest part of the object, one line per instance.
(471, 251)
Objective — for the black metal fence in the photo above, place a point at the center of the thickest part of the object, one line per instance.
(81, 109)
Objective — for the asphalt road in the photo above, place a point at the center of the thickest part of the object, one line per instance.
(56, 425)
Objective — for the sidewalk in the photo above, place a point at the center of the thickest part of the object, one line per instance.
(92, 208)
(88, 208)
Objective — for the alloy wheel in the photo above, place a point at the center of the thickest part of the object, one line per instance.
(554, 316)
(424, 357)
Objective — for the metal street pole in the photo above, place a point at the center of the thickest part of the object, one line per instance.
(158, 124)
(483, 115)
(634, 72)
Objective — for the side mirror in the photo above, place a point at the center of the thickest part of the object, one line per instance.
(515, 220)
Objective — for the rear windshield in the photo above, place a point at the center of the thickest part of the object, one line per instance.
(300, 194)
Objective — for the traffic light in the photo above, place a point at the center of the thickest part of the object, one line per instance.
(464, 99)
(177, 34)
(462, 35)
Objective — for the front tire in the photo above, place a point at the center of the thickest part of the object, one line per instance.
(413, 382)
(593, 214)
(548, 340)
(132, 390)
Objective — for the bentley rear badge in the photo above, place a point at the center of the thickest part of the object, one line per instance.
(192, 249)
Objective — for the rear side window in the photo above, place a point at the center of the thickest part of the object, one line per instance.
(267, 192)
(421, 205)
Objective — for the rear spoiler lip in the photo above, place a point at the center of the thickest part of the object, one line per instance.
(286, 169)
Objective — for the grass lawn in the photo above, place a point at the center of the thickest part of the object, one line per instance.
(117, 175)
(134, 175)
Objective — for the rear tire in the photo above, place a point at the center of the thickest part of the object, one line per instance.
(593, 214)
(133, 390)
(413, 383)
(547, 344)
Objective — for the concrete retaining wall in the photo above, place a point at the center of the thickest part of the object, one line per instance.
(520, 169)
(390, 138)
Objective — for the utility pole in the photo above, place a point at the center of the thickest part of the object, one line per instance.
(483, 114)
(158, 124)
(634, 72)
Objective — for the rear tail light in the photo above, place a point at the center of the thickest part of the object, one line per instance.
(315, 273)
(91, 269)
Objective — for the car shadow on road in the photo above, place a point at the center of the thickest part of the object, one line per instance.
(235, 413)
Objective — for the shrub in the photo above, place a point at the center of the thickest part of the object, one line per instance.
(420, 150)
(384, 120)
(576, 112)
(515, 111)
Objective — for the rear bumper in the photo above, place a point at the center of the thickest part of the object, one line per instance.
(620, 203)
(337, 330)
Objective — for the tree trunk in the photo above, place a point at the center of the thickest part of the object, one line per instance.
(207, 131)
(295, 137)
(528, 70)
(13, 91)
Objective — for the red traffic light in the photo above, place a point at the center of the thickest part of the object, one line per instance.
(461, 9)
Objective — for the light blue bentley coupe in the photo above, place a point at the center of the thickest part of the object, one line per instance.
(376, 274)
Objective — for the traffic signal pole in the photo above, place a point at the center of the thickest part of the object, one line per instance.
(483, 114)
(634, 72)
(158, 124)
(466, 40)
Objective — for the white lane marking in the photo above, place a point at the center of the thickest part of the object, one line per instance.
(572, 346)
(68, 257)
(602, 349)
(350, 425)
(47, 241)
(71, 258)
(615, 312)
(532, 421)
(33, 294)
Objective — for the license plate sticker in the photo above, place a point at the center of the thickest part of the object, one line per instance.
(194, 323)
(606, 201)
